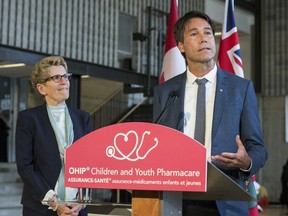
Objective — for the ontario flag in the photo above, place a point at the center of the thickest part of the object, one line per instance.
(229, 59)
(173, 61)
(229, 56)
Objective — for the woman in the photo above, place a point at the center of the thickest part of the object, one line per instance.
(42, 135)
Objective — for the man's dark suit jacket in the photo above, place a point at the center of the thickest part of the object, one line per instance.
(235, 112)
(37, 154)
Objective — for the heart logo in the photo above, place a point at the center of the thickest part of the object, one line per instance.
(126, 144)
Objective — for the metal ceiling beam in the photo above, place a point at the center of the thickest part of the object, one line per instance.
(79, 67)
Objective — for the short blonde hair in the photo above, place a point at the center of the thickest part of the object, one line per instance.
(41, 69)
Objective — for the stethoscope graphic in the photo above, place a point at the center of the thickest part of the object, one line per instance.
(113, 149)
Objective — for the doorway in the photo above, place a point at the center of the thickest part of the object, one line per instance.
(16, 94)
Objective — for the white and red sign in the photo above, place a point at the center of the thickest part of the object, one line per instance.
(137, 156)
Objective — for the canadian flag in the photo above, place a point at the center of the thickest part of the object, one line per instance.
(173, 61)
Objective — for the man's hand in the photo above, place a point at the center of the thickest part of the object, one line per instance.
(239, 160)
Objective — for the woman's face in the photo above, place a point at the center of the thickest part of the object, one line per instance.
(55, 93)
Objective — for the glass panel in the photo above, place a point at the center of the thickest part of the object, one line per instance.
(5, 110)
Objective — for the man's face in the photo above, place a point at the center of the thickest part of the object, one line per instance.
(199, 42)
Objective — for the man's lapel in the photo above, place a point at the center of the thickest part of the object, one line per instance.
(219, 104)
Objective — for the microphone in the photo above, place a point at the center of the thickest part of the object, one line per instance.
(173, 95)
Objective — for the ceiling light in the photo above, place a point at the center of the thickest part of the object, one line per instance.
(85, 76)
(12, 65)
(218, 33)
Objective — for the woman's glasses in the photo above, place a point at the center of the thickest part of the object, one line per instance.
(57, 78)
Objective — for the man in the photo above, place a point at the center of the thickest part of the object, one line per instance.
(232, 132)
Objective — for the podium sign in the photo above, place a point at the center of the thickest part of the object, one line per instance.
(136, 156)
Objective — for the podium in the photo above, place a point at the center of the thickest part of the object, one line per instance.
(220, 187)
(161, 166)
